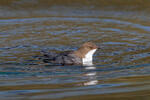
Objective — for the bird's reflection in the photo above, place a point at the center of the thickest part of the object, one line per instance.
(91, 76)
(90, 67)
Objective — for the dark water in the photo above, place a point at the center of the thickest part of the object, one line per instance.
(121, 28)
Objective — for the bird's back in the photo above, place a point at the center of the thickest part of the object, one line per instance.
(64, 58)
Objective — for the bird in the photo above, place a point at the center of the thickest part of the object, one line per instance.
(82, 56)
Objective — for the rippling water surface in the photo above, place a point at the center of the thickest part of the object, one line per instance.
(121, 69)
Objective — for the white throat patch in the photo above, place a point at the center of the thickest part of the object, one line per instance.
(88, 58)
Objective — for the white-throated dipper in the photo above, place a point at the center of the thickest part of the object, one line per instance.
(82, 56)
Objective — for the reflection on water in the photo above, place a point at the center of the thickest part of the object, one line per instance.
(119, 28)
(91, 76)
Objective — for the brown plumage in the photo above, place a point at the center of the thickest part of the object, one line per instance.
(84, 49)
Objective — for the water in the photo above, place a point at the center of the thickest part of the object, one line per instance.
(121, 67)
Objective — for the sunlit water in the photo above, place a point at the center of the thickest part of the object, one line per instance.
(121, 67)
